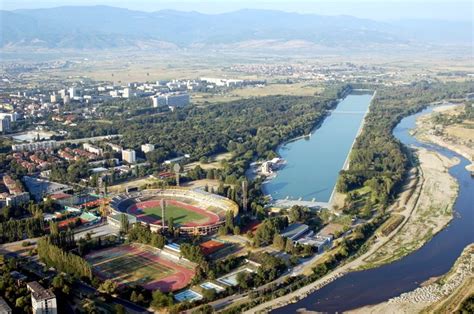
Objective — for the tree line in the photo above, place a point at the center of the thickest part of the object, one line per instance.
(63, 261)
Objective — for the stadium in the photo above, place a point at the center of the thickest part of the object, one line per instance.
(194, 212)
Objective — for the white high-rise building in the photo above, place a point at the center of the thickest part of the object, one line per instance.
(73, 92)
(54, 98)
(62, 93)
(126, 93)
(43, 300)
(128, 155)
(155, 101)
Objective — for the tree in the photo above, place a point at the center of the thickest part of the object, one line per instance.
(160, 300)
(124, 224)
(108, 287)
(289, 247)
(279, 242)
(192, 252)
(229, 220)
(171, 225)
(222, 230)
(245, 280)
(205, 309)
(209, 294)
(21, 302)
(89, 306)
(119, 309)
(53, 228)
(236, 230)
(134, 297)
(69, 263)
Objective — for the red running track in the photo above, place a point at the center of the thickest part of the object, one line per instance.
(181, 277)
(136, 209)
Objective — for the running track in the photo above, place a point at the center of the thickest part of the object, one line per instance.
(181, 277)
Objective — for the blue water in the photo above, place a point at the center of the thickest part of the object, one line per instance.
(313, 163)
(435, 258)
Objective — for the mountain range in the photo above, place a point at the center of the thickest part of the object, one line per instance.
(104, 27)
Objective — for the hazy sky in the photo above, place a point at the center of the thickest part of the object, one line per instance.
(374, 9)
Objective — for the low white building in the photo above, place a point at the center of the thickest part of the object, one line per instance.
(34, 146)
(171, 99)
(43, 300)
(92, 149)
(147, 148)
(318, 241)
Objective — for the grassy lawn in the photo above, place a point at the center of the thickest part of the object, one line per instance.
(180, 215)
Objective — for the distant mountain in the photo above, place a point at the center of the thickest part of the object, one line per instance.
(101, 27)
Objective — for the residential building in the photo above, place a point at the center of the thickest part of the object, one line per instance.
(17, 199)
(34, 146)
(54, 98)
(73, 92)
(115, 148)
(4, 308)
(155, 101)
(13, 116)
(43, 300)
(5, 125)
(222, 82)
(171, 99)
(92, 149)
(128, 155)
(126, 93)
(147, 148)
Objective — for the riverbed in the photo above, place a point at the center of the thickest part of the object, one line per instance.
(435, 258)
(313, 163)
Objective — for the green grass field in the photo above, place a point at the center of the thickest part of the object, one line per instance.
(180, 215)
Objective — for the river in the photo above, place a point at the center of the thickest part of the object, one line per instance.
(313, 163)
(435, 258)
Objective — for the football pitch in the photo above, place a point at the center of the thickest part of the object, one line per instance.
(179, 214)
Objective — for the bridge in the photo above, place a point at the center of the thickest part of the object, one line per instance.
(285, 203)
(349, 112)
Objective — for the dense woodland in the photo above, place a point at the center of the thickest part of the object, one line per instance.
(253, 127)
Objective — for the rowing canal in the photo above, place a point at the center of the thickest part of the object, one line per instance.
(435, 258)
(313, 162)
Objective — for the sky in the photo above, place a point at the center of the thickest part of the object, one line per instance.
(461, 10)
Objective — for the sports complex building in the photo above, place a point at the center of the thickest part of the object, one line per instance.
(194, 212)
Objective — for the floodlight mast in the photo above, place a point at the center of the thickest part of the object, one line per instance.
(244, 195)
(163, 210)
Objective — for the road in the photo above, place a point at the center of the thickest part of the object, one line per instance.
(224, 302)
(130, 307)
